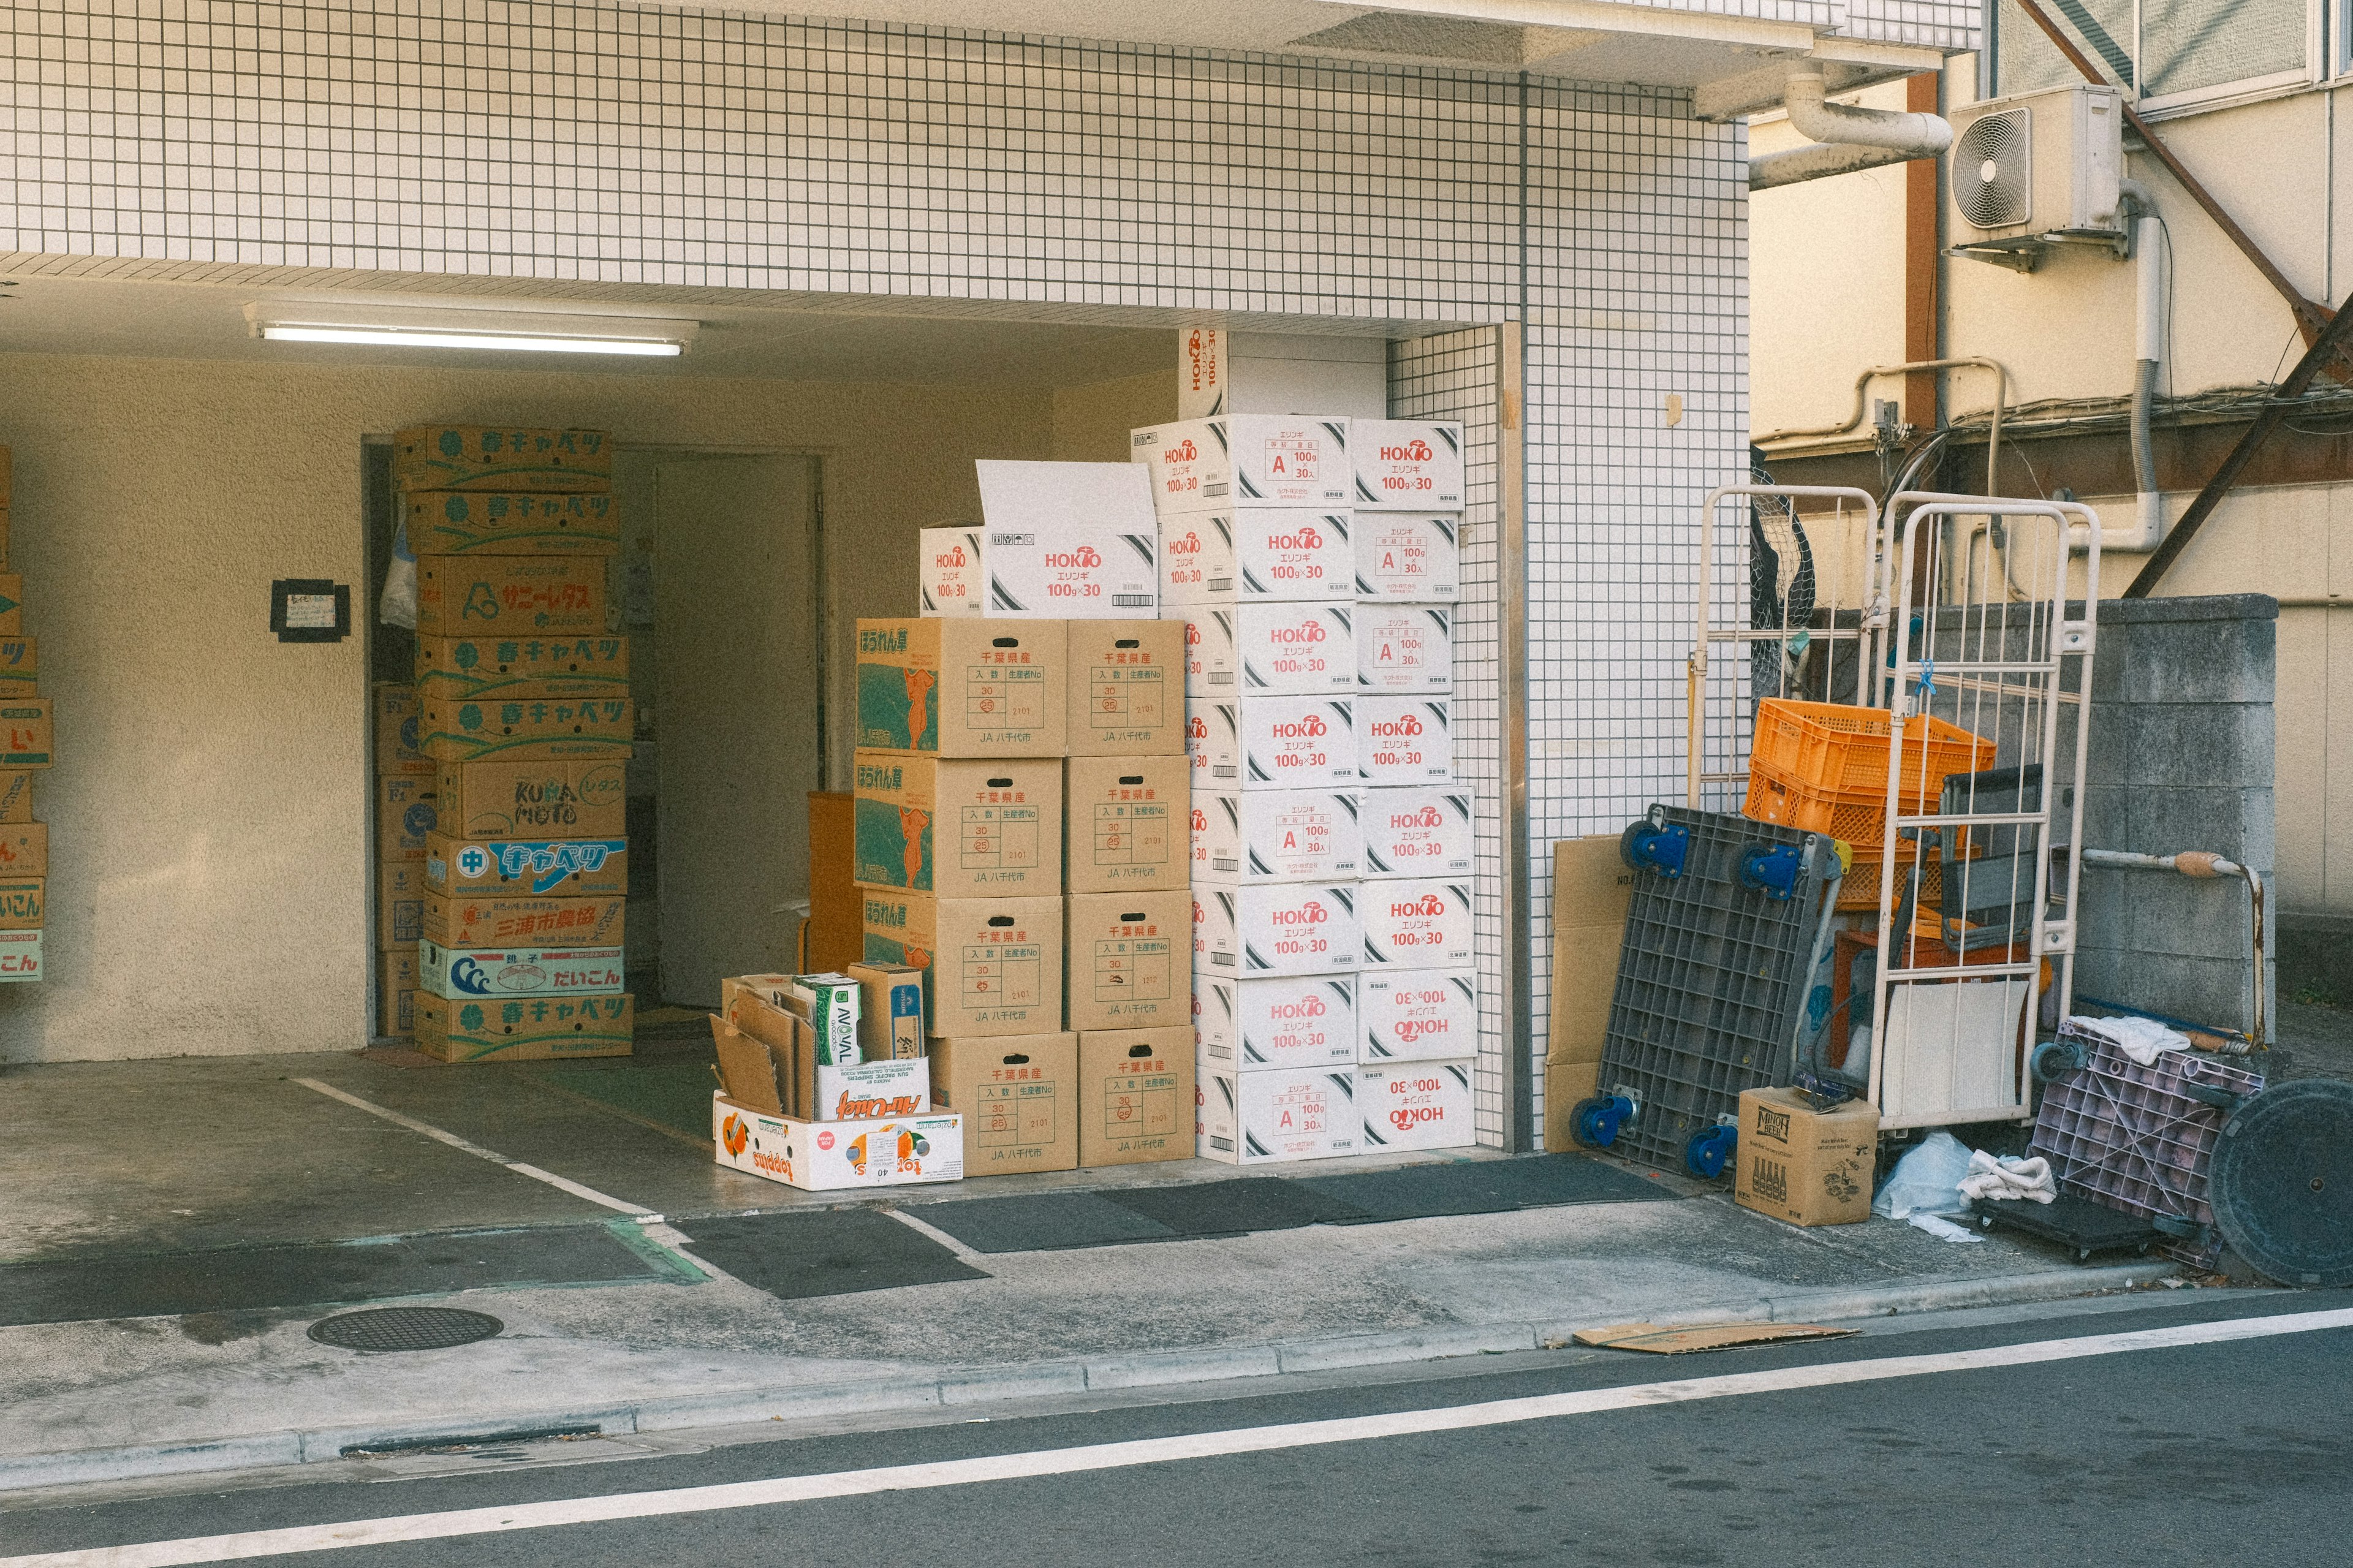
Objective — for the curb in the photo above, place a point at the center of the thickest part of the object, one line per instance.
(969, 1386)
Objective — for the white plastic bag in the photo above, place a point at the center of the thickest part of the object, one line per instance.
(397, 606)
(1925, 1181)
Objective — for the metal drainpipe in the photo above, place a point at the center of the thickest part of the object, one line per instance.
(2201, 863)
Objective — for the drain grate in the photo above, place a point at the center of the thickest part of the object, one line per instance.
(405, 1328)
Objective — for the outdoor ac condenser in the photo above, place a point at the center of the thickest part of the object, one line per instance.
(2038, 163)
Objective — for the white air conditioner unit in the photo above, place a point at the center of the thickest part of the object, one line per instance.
(2037, 169)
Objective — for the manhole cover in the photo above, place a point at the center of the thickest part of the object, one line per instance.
(405, 1328)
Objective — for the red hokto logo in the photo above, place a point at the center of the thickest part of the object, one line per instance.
(1312, 631)
(1411, 1029)
(1306, 729)
(1411, 452)
(1305, 539)
(1425, 818)
(1198, 728)
(1183, 451)
(1405, 1117)
(953, 558)
(1084, 556)
(1189, 545)
(1427, 904)
(1200, 820)
(1311, 914)
(1408, 725)
(1311, 1009)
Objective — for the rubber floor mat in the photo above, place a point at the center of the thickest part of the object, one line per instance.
(1236, 1207)
(1486, 1186)
(1041, 1222)
(832, 1252)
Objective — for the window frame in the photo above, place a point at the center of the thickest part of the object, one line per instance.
(2327, 57)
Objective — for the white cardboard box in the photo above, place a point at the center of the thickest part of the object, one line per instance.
(1264, 1118)
(1284, 650)
(1413, 923)
(1213, 743)
(1247, 1026)
(953, 582)
(1416, 830)
(1276, 554)
(1415, 1105)
(1209, 665)
(824, 1156)
(1404, 740)
(1405, 648)
(1246, 460)
(1405, 557)
(1296, 743)
(1275, 836)
(1407, 465)
(1276, 928)
(1417, 1014)
(1067, 541)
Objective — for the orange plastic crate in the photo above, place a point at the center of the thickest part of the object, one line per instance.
(1841, 750)
(1861, 888)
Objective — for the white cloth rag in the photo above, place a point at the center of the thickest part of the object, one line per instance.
(2010, 1176)
(1937, 1225)
(2143, 1039)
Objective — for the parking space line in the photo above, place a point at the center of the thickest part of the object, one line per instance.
(518, 1167)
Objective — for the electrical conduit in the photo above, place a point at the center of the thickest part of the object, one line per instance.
(1848, 139)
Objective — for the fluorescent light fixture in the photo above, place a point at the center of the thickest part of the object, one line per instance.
(393, 326)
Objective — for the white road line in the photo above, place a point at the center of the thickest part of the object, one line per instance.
(924, 1227)
(492, 1155)
(1145, 1451)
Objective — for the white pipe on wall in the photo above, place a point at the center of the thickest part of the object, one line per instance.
(2148, 530)
(1847, 138)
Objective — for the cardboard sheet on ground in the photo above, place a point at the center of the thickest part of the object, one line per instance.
(1686, 1338)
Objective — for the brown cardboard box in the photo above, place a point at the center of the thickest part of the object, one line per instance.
(963, 687)
(495, 668)
(1592, 887)
(993, 966)
(23, 902)
(396, 993)
(833, 937)
(399, 904)
(540, 868)
(1136, 1096)
(507, 523)
(1566, 1083)
(890, 1011)
(1130, 959)
(11, 604)
(1803, 1165)
(26, 736)
(959, 828)
(483, 458)
(524, 1028)
(393, 713)
(19, 663)
(24, 849)
(749, 1070)
(509, 596)
(564, 797)
(471, 921)
(406, 809)
(1130, 822)
(15, 797)
(1018, 1095)
(1127, 689)
(526, 728)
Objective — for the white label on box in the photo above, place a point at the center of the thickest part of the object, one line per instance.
(821, 1156)
(1405, 648)
(1408, 557)
(865, 1091)
(1404, 740)
(1294, 650)
(1279, 928)
(1263, 1118)
(1249, 1025)
(1213, 743)
(1416, 924)
(1245, 460)
(1296, 743)
(1416, 831)
(1275, 836)
(1418, 1014)
(20, 956)
(1407, 464)
(1419, 1105)
(1209, 668)
(1275, 555)
(456, 974)
(953, 582)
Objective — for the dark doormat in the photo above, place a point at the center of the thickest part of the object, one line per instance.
(1235, 1207)
(1485, 1186)
(832, 1252)
(1041, 1222)
(306, 1274)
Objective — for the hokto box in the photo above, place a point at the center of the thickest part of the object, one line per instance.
(890, 1011)
(501, 523)
(20, 956)
(476, 920)
(1295, 742)
(952, 582)
(828, 1156)
(1129, 963)
(399, 903)
(524, 728)
(524, 1028)
(1210, 667)
(1405, 648)
(1415, 1105)
(1282, 1114)
(959, 827)
(394, 713)
(510, 595)
(1407, 465)
(963, 687)
(22, 902)
(1416, 923)
(24, 849)
(1126, 820)
(1417, 1016)
(406, 810)
(1284, 927)
(19, 662)
(536, 867)
(1018, 1097)
(1416, 831)
(1803, 1165)
(1404, 740)
(1412, 558)
(1282, 650)
(27, 733)
(1245, 460)
(1294, 1022)
(770, 1064)
(1127, 689)
(396, 993)
(557, 797)
(1136, 1096)
(993, 966)
(15, 797)
(478, 457)
(1071, 541)
(1213, 743)
(1278, 554)
(1275, 836)
(517, 971)
(1592, 888)
(481, 669)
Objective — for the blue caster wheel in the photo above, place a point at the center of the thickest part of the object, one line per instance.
(2054, 1059)
(1595, 1121)
(1709, 1151)
(1771, 869)
(1648, 846)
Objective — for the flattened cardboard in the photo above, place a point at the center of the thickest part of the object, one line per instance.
(1566, 1085)
(958, 826)
(1128, 823)
(992, 966)
(408, 809)
(1020, 1098)
(779, 1066)
(396, 993)
(532, 728)
(481, 669)
(1803, 1165)
(511, 523)
(27, 733)
(1683, 1338)
(890, 1011)
(16, 796)
(19, 660)
(963, 687)
(20, 956)
(562, 797)
(510, 595)
(399, 904)
(1127, 689)
(527, 868)
(1591, 889)
(1301, 1021)
(524, 1029)
(826, 1006)
(481, 457)
(1415, 1105)
(1129, 961)
(829, 1156)
(1136, 1096)
(24, 849)
(471, 922)
(22, 901)
(392, 708)
(459, 974)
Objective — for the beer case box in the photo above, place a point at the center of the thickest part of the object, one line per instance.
(510, 595)
(12, 603)
(1069, 541)
(950, 583)
(1136, 1096)
(963, 687)
(511, 523)
(524, 1028)
(20, 956)
(1281, 928)
(775, 1070)
(459, 974)
(481, 457)
(1294, 743)
(957, 826)
(832, 1156)
(484, 669)
(1592, 887)
(399, 904)
(1567, 1084)
(1221, 559)
(1416, 1016)
(24, 849)
(1020, 1098)
(406, 811)
(1127, 689)
(393, 718)
(472, 920)
(1413, 558)
(19, 657)
(1416, 830)
(1407, 465)
(396, 993)
(1247, 1026)
(1405, 648)
(1803, 1165)
(1294, 650)
(22, 902)
(1211, 669)
(1242, 460)
(1275, 836)
(555, 797)
(1275, 1117)
(890, 1011)
(1127, 820)
(526, 728)
(1404, 740)
(1128, 960)
(1416, 923)
(827, 1005)
(26, 732)
(15, 797)
(991, 966)
(1415, 1105)
(534, 867)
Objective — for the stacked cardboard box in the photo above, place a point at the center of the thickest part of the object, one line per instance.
(26, 741)
(403, 817)
(523, 710)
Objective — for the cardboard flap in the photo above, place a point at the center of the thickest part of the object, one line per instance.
(747, 1069)
(1682, 1340)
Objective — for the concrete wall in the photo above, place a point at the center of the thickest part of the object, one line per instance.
(208, 815)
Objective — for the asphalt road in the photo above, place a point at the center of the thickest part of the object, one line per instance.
(2234, 1452)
